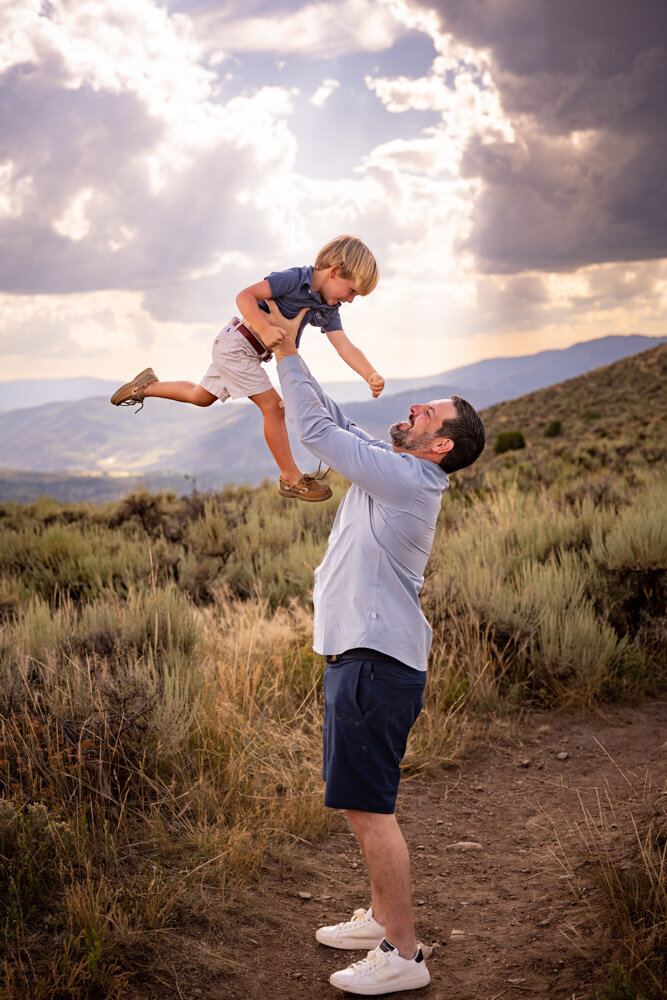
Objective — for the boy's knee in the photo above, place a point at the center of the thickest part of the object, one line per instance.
(276, 409)
(202, 397)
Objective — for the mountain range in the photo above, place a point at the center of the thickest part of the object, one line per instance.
(225, 444)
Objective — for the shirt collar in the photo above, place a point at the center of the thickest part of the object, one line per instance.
(308, 282)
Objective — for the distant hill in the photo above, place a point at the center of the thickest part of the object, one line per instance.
(610, 418)
(504, 377)
(25, 393)
(223, 443)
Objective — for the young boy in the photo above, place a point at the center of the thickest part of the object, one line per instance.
(344, 268)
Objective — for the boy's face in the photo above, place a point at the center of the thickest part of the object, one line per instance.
(336, 289)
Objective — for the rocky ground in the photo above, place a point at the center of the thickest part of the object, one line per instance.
(504, 893)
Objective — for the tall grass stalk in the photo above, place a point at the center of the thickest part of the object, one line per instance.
(627, 856)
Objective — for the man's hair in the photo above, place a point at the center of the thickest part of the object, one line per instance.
(354, 260)
(466, 430)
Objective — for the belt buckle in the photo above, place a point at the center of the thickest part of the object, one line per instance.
(267, 355)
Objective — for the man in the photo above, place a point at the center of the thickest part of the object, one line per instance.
(370, 627)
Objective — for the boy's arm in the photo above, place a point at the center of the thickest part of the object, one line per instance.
(256, 318)
(357, 360)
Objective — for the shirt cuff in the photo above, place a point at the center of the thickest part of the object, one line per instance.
(288, 362)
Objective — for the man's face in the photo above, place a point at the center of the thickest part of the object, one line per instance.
(425, 420)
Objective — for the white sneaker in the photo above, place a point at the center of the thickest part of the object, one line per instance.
(383, 971)
(362, 931)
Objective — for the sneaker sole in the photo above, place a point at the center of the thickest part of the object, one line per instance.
(350, 944)
(142, 380)
(379, 989)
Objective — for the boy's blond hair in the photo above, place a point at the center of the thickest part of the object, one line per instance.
(354, 260)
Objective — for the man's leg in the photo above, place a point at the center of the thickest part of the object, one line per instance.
(386, 855)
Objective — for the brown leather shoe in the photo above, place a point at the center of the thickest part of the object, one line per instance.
(133, 392)
(309, 488)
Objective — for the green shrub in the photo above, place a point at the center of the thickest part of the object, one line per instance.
(36, 860)
(68, 561)
(554, 429)
(509, 441)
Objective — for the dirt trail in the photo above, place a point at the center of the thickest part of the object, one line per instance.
(524, 934)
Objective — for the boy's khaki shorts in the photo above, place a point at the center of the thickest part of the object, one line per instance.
(235, 371)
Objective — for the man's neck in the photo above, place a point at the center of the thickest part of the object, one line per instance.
(424, 455)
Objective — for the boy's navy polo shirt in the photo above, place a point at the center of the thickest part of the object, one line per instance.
(292, 290)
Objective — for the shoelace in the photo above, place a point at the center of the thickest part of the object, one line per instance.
(356, 917)
(132, 401)
(375, 959)
(318, 476)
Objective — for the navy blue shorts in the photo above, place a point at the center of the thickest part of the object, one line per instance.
(371, 702)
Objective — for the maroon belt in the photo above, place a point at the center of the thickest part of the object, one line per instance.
(264, 353)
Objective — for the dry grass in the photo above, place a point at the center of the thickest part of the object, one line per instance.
(160, 703)
(624, 852)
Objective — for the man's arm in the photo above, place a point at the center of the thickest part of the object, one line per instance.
(387, 476)
(357, 360)
(289, 347)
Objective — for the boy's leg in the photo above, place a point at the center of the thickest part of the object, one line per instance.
(275, 433)
(182, 392)
(146, 383)
(292, 484)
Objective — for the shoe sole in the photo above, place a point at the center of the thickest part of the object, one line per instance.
(141, 381)
(350, 944)
(299, 496)
(379, 989)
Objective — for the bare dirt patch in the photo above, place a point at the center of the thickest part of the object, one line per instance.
(522, 932)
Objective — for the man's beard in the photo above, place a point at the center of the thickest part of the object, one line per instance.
(403, 437)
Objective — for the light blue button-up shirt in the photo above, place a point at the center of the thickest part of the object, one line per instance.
(367, 586)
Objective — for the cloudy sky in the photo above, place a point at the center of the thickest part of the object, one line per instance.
(505, 160)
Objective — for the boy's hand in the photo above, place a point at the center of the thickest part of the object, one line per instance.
(376, 382)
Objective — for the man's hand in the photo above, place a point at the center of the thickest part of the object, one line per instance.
(289, 327)
(272, 336)
(376, 382)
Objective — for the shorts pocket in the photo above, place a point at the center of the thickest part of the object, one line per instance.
(364, 689)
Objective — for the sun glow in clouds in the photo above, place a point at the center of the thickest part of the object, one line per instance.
(152, 156)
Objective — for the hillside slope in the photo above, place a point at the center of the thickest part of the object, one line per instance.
(610, 415)
(612, 420)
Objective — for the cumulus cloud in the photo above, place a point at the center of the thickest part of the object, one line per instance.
(583, 179)
(313, 30)
(119, 166)
(147, 166)
(324, 92)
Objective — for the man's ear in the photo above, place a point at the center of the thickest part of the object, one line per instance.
(441, 445)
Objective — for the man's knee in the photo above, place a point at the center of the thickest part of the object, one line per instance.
(364, 821)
